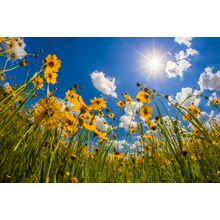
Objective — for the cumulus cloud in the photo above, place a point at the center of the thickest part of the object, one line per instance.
(207, 119)
(181, 64)
(184, 40)
(209, 80)
(187, 97)
(101, 124)
(119, 144)
(103, 83)
(127, 121)
(131, 108)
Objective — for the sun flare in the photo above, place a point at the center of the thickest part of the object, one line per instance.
(155, 64)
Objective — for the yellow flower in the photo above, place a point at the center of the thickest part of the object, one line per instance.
(98, 103)
(50, 77)
(8, 88)
(48, 112)
(117, 155)
(38, 82)
(128, 99)
(52, 64)
(81, 106)
(72, 96)
(193, 110)
(151, 124)
(1, 39)
(121, 104)
(133, 130)
(146, 112)
(143, 97)
(216, 101)
(148, 136)
(70, 122)
(111, 115)
(101, 114)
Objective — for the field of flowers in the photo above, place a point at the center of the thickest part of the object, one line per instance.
(55, 140)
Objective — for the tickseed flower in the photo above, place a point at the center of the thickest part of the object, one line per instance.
(52, 64)
(148, 136)
(81, 106)
(38, 82)
(133, 130)
(146, 112)
(98, 103)
(193, 110)
(70, 123)
(50, 77)
(72, 96)
(117, 155)
(150, 124)
(128, 99)
(74, 180)
(143, 97)
(216, 101)
(8, 89)
(101, 114)
(48, 112)
(121, 104)
(111, 115)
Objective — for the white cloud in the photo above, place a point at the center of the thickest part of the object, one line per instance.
(127, 121)
(119, 144)
(209, 80)
(183, 99)
(101, 123)
(184, 40)
(207, 119)
(182, 64)
(18, 49)
(131, 108)
(103, 83)
(174, 69)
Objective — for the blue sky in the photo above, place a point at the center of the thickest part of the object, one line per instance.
(122, 59)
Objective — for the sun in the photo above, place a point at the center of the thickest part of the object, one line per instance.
(154, 63)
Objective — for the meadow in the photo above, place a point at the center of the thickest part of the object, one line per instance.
(59, 140)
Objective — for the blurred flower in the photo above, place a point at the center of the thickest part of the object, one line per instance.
(98, 103)
(38, 82)
(143, 97)
(146, 112)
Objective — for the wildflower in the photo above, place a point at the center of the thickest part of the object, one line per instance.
(133, 130)
(38, 82)
(50, 77)
(74, 180)
(111, 115)
(128, 99)
(101, 114)
(21, 100)
(24, 63)
(143, 97)
(147, 136)
(72, 96)
(117, 155)
(193, 110)
(98, 103)
(1, 39)
(216, 101)
(121, 104)
(52, 64)
(70, 123)
(8, 89)
(48, 111)
(81, 106)
(146, 112)
(73, 156)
